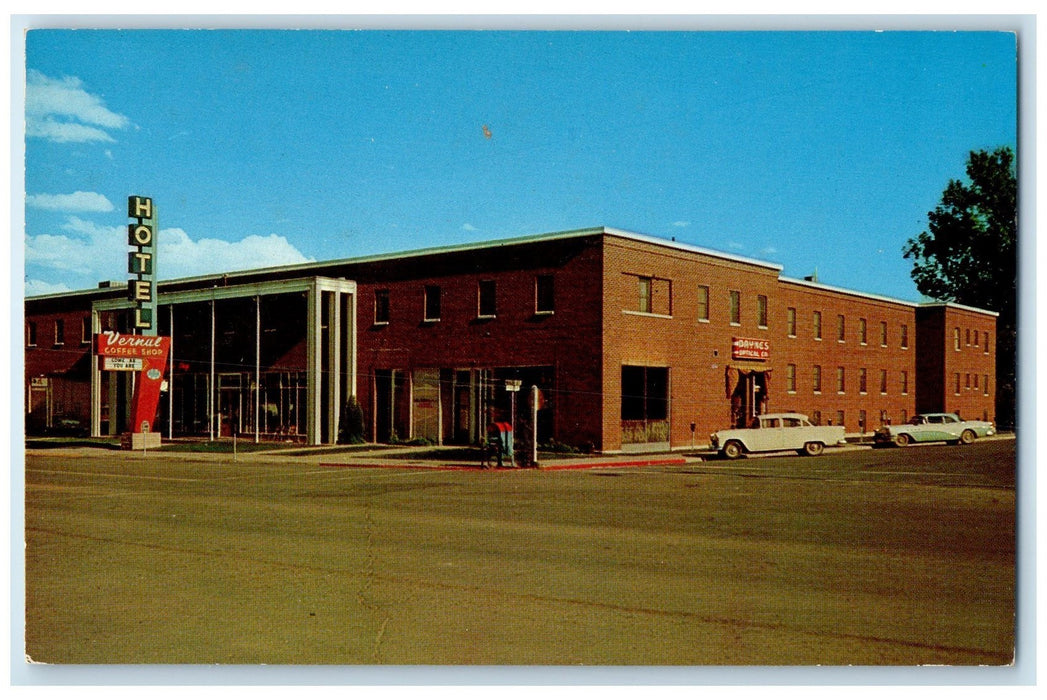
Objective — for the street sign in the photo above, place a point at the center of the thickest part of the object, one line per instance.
(513, 384)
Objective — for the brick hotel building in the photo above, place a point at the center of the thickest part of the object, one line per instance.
(635, 343)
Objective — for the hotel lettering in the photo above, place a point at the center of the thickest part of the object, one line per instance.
(141, 262)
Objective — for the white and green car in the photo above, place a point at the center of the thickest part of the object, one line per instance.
(934, 427)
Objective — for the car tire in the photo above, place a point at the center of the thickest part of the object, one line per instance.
(733, 449)
(901, 440)
(967, 437)
(813, 449)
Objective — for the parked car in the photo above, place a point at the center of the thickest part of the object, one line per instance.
(934, 427)
(776, 432)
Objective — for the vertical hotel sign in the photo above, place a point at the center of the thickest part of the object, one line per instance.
(144, 353)
(141, 262)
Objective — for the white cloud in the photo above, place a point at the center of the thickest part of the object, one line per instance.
(77, 201)
(181, 256)
(86, 253)
(35, 288)
(62, 111)
(769, 250)
(681, 224)
(468, 227)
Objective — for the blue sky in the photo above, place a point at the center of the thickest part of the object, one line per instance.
(817, 151)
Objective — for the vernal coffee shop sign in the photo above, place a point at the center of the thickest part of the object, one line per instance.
(750, 349)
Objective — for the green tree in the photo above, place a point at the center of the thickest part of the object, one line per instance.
(968, 255)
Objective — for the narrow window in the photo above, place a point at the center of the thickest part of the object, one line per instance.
(432, 303)
(976, 382)
(646, 292)
(30, 334)
(790, 378)
(905, 336)
(791, 321)
(703, 303)
(986, 350)
(863, 382)
(486, 299)
(905, 382)
(863, 336)
(839, 418)
(736, 307)
(59, 332)
(841, 385)
(543, 294)
(861, 420)
(967, 383)
(761, 311)
(968, 333)
(957, 381)
(381, 306)
(883, 381)
(956, 339)
(816, 417)
(817, 325)
(883, 334)
(85, 330)
(985, 384)
(841, 329)
(976, 334)
(816, 379)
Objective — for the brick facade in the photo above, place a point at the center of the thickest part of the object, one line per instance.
(632, 341)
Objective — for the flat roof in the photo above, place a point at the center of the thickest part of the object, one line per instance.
(514, 241)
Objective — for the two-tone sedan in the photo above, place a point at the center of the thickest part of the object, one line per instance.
(934, 427)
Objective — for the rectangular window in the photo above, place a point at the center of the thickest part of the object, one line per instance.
(646, 290)
(883, 334)
(791, 321)
(985, 384)
(59, 332)
(863, 336)
(486, 302)
(381, 306)
(841, 385)
(905, 383)
(986, 350)
(761, 311)
(790, 378)
(905, 336)
(841, 329)
(703, 303)
(976, 334)
(30, 334)
(883, 381)
(976, 382)
(543, 294)
(85, 330)
(863, 382)
(956, 339)
(432, 303)
(968, 333)
(736, 307)
(816, 379)
(839, 418)
(967, 383)
(862, 416)
(957, 382)
(817, 325)
(816, 417)
(645, 393)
